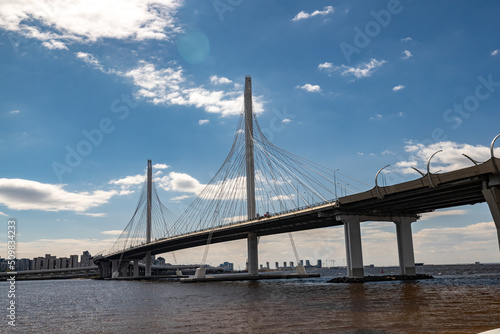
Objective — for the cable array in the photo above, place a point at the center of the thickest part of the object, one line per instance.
(162, 219)
(284, 182)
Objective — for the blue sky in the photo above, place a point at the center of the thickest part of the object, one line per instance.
(352, 86)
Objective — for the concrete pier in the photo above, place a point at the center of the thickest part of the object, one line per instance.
(253, 254)
(353, 249)
(405, 245)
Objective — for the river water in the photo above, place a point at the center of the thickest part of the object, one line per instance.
(461, 299)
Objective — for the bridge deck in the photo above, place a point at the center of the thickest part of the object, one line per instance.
(431, 192)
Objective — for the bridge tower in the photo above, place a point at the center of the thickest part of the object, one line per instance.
(252, 241)
(148, 217)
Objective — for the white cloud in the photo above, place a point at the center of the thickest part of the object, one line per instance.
(173, 181)
(180, 182)
(112, 232)
(470, 243)
(388, 152)
(168, 86)
(19, 194)
(495, 52)
(301, 16)
(129, 180)
(89, 60)
(59, 22)
(454, 212)
(406, 54)
(398, 87)
(55, 45)
(14, 112)
(304, 15)
(180, 198)
(405, 167)
(219, 81)
(467, 244)
(326, 10)
(361, 71)
(161, 166)
(286, 120)
(3, 214)
(203, 121)
(95, 215)
(377, 116)
(310, 88)
(325, 65)
(449, 159)
(406, 39)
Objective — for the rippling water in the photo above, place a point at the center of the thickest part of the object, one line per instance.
(461, 299)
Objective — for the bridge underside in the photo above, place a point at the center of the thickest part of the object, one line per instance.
(417, 201)
(261, 227)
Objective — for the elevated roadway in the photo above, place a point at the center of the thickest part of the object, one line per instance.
(467, 186)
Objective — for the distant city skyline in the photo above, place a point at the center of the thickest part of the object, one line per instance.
(90, 93)
(48, 262)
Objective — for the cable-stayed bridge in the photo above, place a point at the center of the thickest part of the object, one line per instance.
(262, 190)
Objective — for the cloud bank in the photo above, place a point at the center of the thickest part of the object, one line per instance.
(59, 23)
(19, 194)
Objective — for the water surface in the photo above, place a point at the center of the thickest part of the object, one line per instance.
(461, 299)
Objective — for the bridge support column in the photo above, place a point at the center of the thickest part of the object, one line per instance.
(148, 264)
(253, 254)
(405, 245)
(136, 268)
(124, 268)
(492, 196)
(104, 269)
(119, 268)
(115, 270)
(354, 253)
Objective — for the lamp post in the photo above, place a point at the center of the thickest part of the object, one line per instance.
(335, 182)
(298, 203)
